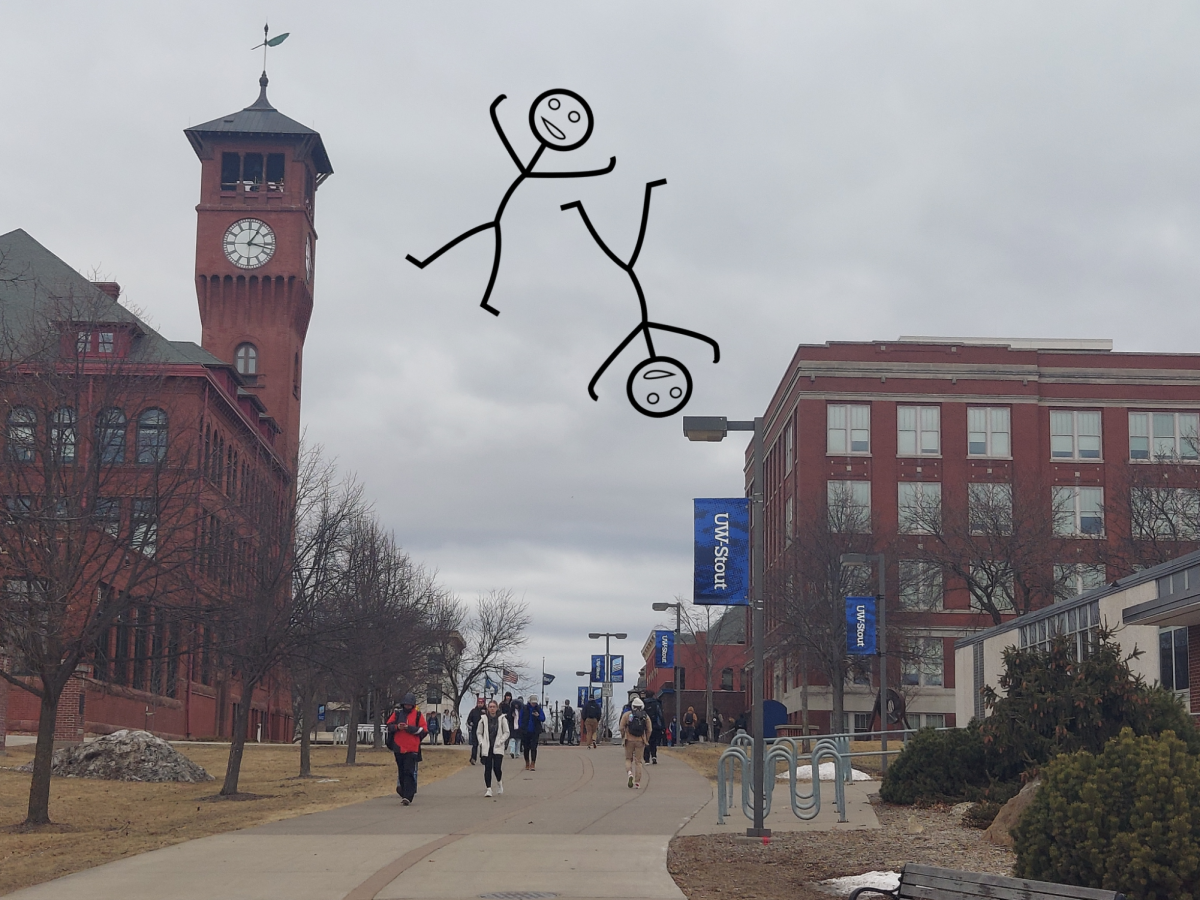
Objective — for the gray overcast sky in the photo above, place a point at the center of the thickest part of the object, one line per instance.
(835, 172)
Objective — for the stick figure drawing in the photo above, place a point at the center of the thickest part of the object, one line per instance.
(560, 120)
(658, 386)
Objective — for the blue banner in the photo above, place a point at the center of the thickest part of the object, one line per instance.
(598, 668)
(664, 650)
(583, 696)
(860, 626)
(618, 669)
(546, 678)
(722, 537)
(489, 686)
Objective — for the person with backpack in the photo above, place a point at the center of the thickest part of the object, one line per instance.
(473, 718)
(532, 717)
(492, 735)
(434, 723)
(635, 734)
(568, 725)
(591, 721)
(655, 712)
(405, 729)
(516, 710)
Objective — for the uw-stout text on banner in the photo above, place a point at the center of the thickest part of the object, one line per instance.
(664, 649)
(598, 673)
(618, 669)
(583, 696)
(860, 626)
(722, 570)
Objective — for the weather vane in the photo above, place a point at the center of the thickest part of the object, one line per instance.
(269, 41)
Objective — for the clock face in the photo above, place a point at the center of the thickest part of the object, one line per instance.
(308, 258)
(249, 243)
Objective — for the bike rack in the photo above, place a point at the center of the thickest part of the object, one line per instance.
(805, 806)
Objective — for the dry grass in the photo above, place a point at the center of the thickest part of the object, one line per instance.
(100, 821)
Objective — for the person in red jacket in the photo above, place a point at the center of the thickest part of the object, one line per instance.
(406, 728)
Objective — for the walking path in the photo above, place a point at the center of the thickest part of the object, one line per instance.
(571, 829)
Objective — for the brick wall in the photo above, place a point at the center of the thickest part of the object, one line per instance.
(3, 703)
(68, 724)
(1194, 667)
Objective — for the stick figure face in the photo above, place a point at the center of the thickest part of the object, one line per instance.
(659, 386)
(561, 119)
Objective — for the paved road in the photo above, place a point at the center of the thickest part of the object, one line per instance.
(572, 829)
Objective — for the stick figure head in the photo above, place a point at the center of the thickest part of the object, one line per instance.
(659, 386)
(560, 119)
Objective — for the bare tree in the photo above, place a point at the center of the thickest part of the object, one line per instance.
(1160, 499)
(97, 477)
(473, 641)
(696, 626)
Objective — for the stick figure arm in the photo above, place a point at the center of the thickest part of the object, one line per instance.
(612, 163)
(637, 249)
(575, 204)
(500, 131)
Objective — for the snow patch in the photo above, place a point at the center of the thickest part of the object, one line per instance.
(828, 772)
(843, 887)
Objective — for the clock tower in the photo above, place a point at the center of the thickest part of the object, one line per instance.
(256, 242)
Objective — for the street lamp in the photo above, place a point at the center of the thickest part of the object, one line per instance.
(620, 636)
(876, 559)
(714, 428)
(678, 607)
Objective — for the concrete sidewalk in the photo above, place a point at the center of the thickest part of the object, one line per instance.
(572, 829)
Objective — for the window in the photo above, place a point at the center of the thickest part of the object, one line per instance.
(110, 435)
(107, 515)
(727, 679)
(1079, 511)
(63, 434)
(83, 341)
(1173, 658)
(1074, 434)
(681, 677)
(993, 580)
(989, 508)
(94, 342)
(231, 171)
(1073, 579)
(920, 507)
(1179, 582)
(789, 445)
(918, 430)
(849, 507)
(245, 172)
(1079, 624)
(988, 431)
(1169, 514)
(1164, 435)
(789, 511)
(849, 429)
(862, 722)
(934, 720)
(22, 434)
(924, 663)
(246, 359)
(920, 585)
(145, 526)
(275, 171)
(152, 436)
(105, 342)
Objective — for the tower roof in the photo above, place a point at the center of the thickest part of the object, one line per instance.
(260, 119)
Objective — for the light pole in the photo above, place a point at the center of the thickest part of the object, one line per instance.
(714, 428)
(867, 559)
(678, 607)
(620, 636)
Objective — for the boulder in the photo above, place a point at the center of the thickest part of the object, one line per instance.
(126, 755)
(1000, 831)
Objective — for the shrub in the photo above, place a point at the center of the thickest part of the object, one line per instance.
(936, 766)
(1127, 819)
(981, 814)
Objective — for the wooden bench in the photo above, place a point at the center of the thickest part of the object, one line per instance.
(932, 883)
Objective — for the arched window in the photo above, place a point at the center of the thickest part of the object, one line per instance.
(110, 435)
(22, 434)
(152, 436)
(245, 357)
(63, 434)
(727, 679)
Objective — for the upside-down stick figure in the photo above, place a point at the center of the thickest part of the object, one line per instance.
(560, 120)
(642, 392)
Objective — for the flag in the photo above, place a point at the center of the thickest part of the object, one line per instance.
(546, 679)
(510, 676)
(489, 686)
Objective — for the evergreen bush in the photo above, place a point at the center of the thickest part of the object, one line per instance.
(1126, 819)
(936, 766)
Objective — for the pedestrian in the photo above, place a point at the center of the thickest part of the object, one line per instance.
(473, 718)
(673, 731)
(492, 735)
(742, 722)
(655, 712)
(568, 725)
(434, 721)
(514, 722)
(532, 718)
(591, 721)
(406, 727)
(635, 732)
(701, 729)
(689, 726)
(449, 726)
(718, 725)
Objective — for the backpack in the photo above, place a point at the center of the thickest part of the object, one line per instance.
(592, 710)
(568, 714)
(389, 737)
(635, 725)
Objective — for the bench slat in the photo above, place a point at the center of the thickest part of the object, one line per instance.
(918, 881)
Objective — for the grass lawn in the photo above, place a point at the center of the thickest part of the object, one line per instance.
(99, 821)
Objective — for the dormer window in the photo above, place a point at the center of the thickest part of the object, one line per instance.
(251, 171)
(102, 343)
(245, 359)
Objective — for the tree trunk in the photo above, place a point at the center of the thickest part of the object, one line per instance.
(43, 757)
(305, 725)
(352, 731)
(838, 715)
(377, 719)
(804, 695)
(237, 745)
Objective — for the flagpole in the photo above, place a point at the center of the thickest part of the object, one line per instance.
(543, 682)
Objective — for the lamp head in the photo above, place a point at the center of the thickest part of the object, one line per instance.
(595, 634)
(620, 635)
(705, 428)
(661, 607)
(855, 559)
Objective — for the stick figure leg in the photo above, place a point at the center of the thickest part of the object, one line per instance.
(692, 334)
(608, 362)
(492, 278)
(420, 264)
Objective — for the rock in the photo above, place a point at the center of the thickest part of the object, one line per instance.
(959, 809)
(126, 756)
(913, 827)
(1000, 831)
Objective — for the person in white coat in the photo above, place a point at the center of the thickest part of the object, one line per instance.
(492, 734)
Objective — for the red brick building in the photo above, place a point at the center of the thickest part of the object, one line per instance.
(225, 413)
(1074, 434)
